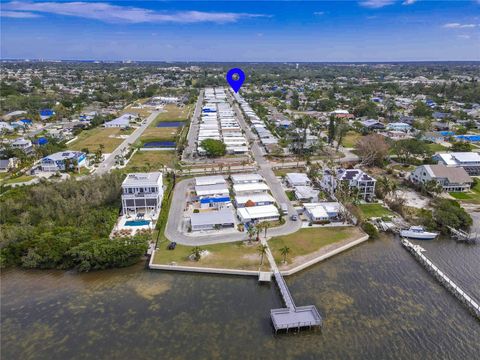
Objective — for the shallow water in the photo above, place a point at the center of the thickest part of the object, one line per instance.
(377, 303)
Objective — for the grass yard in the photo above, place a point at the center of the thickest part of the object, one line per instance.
(150, 160)
(226, 256)
(437, 147)
(351, 139)
(158, 134)
(373, 210)
(283, 172)
(173, 113)
(143, 112)
(473, 196)
(19, 179)
(91, 139)
(309, 240)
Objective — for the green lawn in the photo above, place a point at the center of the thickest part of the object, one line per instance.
(22, 178)
(283, 172)
(236, 255)
(150, 160)
(308, 240)
(91, 139)
(351, 139)
(373, 210)
(174, 113)
(159, 134)
(437, 147)
(473, 196)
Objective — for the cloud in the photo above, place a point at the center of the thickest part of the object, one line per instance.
(459, 26)
(410, 2)
(376, 4)
(19, 14)
(464, 36)
(124, 14)
(319, 13)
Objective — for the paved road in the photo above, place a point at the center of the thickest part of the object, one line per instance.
(193, 130)
(180, 195)
(107, 164)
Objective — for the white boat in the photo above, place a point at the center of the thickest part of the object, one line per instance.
(419, 233)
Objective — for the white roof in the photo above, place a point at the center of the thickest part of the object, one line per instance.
(250, 187)
(209, 180)
(239, 178)
(317, 211)
(322, 209)
(297, 178)
(305, 192)
(243, 199)
(223, 216)
(215, 189)
(466, 156)
(143, 179)
(258, 212)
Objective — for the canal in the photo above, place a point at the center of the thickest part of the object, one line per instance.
(376, 300)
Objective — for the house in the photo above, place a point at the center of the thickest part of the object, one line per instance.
(322, 212)
(122, 121)
(209, 180)
(210, 220)
(23, 144)
(258, 213)
(142, 193)
(354, 178)
(398, 126)
(254, 200)
(372, 124)
(46, 114)
(469, 161)
(215, 190)
(250, 188)
(9, 164)
(453, 179)
(297, 179)
(306, 193)
(58, 161)
(5, 127)
(246, 178)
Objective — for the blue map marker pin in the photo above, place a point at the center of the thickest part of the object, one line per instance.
(235, 84)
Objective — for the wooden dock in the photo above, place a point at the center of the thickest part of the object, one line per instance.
(466, 299)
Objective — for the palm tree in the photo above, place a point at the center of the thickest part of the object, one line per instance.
(251, 231)
(285, 251)
(197, 253)
(385, 186)
(262, 250)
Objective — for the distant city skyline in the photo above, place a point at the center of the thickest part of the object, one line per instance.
(261, 31)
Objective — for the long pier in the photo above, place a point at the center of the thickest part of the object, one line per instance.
(291, 316)
(466, 299)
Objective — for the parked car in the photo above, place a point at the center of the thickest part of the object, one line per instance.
(172, 245)
(294, 217)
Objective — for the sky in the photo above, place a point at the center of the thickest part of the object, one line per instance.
(241, 31)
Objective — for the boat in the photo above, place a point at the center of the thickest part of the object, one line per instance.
(419, 233)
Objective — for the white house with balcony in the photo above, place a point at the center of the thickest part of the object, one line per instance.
(142, 194)
(354, 178)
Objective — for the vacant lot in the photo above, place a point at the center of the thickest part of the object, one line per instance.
(159, 134)
(236, 255)
(91, 139)
(351, 139)
(309, 240)
(150, 160)
(174, 113)
(373, 210)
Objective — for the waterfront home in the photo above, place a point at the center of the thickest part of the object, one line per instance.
(258, 213)
(453, 179)
(297, 179)
(210, 220)
(63, 161)
(142, 193)
(122, 121)
(322, 212)
(469, 161)
(354, 178)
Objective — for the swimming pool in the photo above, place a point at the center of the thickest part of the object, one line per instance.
(167, 124)
(137, 222)
(446, 133)
(472, 138)
(155, 144)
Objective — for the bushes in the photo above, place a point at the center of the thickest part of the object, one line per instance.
(370, 229)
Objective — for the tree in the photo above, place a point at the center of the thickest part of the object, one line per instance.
(342, 130)
(449, 213)
(251, 231)
(385, 186)
(285, 251)
(262, 250)
(461, 146)
(407, 149)
(331, 129)
(196, 253)
(422, 110)
(372, 149)
(214, 148)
